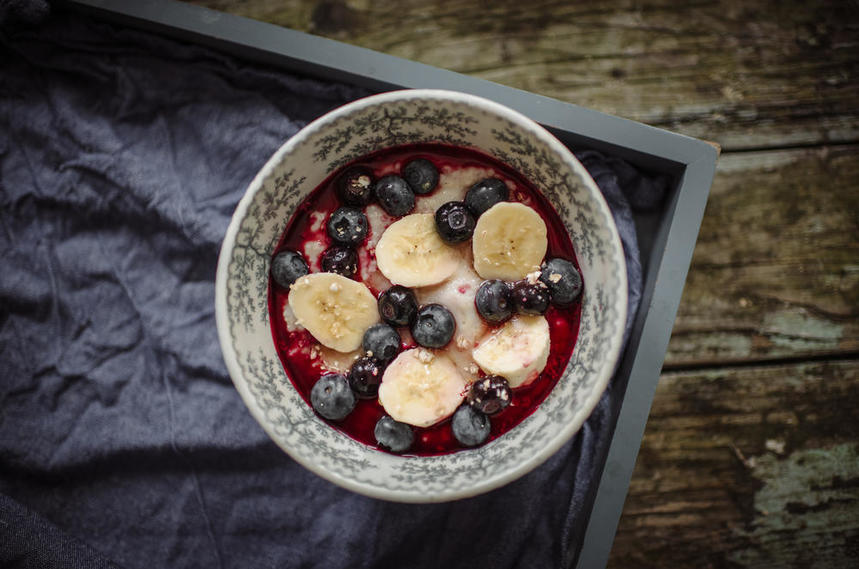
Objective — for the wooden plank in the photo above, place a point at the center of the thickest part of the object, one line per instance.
(742, 74)
(775, 273)
(755, 467)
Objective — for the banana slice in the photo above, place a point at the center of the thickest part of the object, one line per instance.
(410, 252)
(518, 351)
(335, 310)
(421, 388)
(509, 242)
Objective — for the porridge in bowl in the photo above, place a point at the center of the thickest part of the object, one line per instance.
(425, 299)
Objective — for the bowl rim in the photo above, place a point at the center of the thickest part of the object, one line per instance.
(530, 462)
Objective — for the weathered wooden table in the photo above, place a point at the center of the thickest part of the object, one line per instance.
(750, 458)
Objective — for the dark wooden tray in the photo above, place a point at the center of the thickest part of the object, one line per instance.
(666, 238)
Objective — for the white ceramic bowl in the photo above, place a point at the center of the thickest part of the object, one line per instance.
(305, 160)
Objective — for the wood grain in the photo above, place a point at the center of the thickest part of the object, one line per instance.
(742, 74)
(775, 272)
(756, 467)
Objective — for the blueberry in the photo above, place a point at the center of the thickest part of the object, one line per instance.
(355, 186)
(287, 267)
(381, 341)
(365, 375)
(531, 298)
(348, 226)
(393, 435)
(331, 396)
(470, 426)
(421, 175)
(394, 195)
(433, 326)
(563, 279)
(490, 394)
(494, 301)
(398, 306)
(485, 194)
(341, 260)
(454, 222)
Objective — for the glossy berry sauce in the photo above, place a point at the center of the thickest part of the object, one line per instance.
(304, 367)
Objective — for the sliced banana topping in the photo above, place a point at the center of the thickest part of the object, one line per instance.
(509, 242)
(518, 351)
(410, 252)
(421, 387)
(335, 310)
